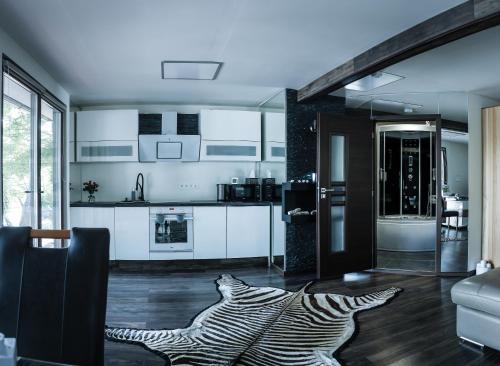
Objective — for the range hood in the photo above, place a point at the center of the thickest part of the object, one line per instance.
(169, 146)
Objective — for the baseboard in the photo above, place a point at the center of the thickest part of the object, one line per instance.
(186, 265)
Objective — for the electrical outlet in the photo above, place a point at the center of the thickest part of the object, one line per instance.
(189, 186)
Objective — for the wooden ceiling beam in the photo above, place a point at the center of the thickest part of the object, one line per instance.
(460, 21)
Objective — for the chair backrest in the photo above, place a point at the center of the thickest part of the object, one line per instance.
(54, 300)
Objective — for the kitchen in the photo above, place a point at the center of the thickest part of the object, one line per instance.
(179, 182)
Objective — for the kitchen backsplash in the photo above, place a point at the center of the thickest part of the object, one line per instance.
(165, 181)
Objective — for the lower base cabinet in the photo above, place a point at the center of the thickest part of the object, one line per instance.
(279, 232)
(248, 231)
(132, 233)
(96, 217)
(219, 232)
(209, 229)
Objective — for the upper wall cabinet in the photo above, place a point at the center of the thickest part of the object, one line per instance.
(103, 136)
(229, 135)
(274, 127)
(72, 137)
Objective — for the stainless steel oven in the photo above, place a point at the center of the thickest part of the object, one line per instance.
(171, 229)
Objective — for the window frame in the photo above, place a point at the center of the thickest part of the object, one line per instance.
(42, 94)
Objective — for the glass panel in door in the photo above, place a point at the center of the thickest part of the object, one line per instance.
(18, 154)
(337, 200)
(50, 169)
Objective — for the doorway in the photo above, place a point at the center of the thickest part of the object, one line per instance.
(406, 195)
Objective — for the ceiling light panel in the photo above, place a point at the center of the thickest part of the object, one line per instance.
(373, 81)
(190, 70)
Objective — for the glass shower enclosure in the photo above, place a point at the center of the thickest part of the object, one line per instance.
(406, 195)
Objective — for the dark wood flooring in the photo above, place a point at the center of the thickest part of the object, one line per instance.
(416, 328)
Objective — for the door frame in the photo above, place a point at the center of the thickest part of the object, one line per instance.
(409, 120)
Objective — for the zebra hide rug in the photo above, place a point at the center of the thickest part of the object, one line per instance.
(259, 326)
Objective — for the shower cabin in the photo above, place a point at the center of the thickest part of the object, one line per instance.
(406, 189)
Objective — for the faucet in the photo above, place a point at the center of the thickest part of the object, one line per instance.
(137, 185)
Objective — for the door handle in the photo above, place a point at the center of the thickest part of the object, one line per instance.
(325, 190)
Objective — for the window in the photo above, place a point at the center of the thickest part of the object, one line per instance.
(31, 159)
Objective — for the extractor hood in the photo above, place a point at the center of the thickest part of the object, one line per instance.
(169, 146)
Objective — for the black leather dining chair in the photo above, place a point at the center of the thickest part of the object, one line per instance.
(53, 300)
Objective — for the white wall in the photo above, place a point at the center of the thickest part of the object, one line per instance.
(475, 104)
(22, 57)
(165, 181)
(457, 154)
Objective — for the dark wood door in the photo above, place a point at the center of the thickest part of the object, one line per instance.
(345, 195)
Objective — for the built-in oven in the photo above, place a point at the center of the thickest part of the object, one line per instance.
(171, 229)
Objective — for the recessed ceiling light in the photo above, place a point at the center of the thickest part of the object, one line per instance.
(190, 70)
(373, 81)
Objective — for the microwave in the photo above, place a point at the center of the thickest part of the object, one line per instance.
(238, 192)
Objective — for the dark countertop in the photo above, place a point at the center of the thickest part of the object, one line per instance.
(169, 204)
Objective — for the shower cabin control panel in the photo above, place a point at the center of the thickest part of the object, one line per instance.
(410, 176)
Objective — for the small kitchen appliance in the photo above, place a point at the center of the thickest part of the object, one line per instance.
(238, 192)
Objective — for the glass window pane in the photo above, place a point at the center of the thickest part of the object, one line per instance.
(50, 169)
(337, 237)
(18, 151)
(337, 158)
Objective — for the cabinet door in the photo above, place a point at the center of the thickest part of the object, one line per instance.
(118, 125)
(72, 126)
(230, 125)
(132, 233)
(248, 231)
(71, 139)
(275, 151)
(230, 151)
(274, 127)
(278, 232)
(102, 151)
(209, 232)
(96, 217)
(71, 147)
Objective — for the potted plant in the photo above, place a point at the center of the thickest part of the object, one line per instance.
(91, 187)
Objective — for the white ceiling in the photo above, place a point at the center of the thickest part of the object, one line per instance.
(110, 51)
(440, 79)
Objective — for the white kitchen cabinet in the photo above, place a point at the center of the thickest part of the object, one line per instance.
(71, 140)
(96, 217)
(107, 125)
(274, 136)
(106, 151)
(278, 227)
(230, 135)
(107, 135)
(209, 228)
(274, 127)
(230, 150)
(230, 125)
(248, 231)
(132, 233)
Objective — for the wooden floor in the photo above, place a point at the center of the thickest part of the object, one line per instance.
(416, 328)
